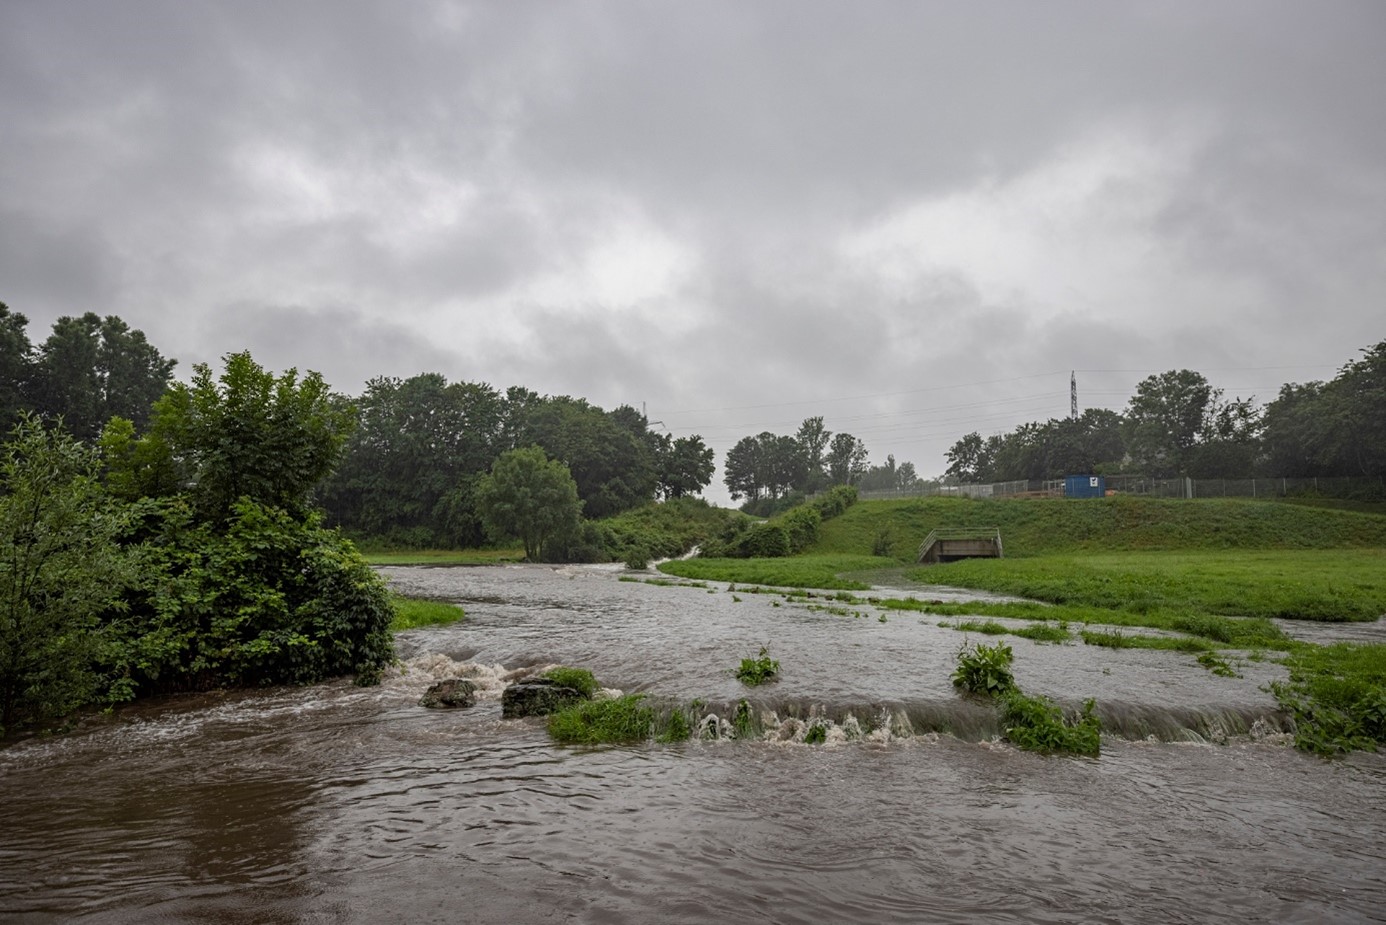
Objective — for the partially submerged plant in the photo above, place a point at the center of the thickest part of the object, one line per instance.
(985, 670)
(593, 722)
(759, 670)
(1038, 724)
(1218, 665)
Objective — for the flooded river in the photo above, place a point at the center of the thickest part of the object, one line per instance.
(340, 804)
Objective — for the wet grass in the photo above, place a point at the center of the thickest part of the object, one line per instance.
(1337, 696)
(1038, 632)
(443, 556)
(413, 612)
(1040, 527)
(579, 679)
(1326, 585)
(595, 722)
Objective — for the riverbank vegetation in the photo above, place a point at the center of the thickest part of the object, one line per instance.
(1205, 575)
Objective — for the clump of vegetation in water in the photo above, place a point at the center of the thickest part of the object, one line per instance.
(413, 612)
(817, 733)
(1337, 696)
(985, 670)
(758, 670)
(1218, 665)
(743, 720)
(1038, 724)
(675, 727)
(579, 679)
(596, 722)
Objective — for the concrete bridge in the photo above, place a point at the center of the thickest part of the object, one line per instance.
(948, 544)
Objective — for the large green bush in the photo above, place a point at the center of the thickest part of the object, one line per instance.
(266, 599)
(60, 568)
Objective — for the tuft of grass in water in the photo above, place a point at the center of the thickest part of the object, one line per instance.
(989, 628)
(743, 720)
(1218, 665)
(1337, 696)
(985, 670)
(413, 612)
(1116, 639)
(595, 722)
(1045, 632)
(1036, 723)
(579, 679)
(817, 733)
(753, 671)
(675, 727)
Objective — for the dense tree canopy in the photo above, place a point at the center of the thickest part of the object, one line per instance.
(248, 433)
(91, 369)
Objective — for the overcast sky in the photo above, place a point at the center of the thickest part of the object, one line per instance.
(911, 218)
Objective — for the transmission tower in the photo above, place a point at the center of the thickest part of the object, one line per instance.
(1073, 394)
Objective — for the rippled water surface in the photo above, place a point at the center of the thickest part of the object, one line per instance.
(338, 804)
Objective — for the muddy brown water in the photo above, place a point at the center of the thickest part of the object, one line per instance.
(340, 804)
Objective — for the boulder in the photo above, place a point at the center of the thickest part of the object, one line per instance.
(454, 692)
(537, 697)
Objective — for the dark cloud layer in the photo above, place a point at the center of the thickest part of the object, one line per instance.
(739, 214)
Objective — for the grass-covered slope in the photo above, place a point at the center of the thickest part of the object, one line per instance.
(1036, 527)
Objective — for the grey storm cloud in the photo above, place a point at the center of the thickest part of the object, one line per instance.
(913, 219)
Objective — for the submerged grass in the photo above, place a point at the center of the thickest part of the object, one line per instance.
(594, 722)
(413, 612)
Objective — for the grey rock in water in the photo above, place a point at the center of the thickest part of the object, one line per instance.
(537, 697)
(454, 692)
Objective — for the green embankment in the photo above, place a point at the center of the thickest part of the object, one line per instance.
(1046, 526)
(1213, 571)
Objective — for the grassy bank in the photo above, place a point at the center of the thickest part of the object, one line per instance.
(1214, 573)
(1299, 584)
(1057, 525)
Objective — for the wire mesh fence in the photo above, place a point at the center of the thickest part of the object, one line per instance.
(1342, 487)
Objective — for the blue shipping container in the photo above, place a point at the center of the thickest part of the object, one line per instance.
(1085, 486)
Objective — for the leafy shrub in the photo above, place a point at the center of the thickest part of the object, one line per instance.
(801, 527)
(985, 670)
(1038, 724)
(579, 679)
(835, 501)
(263, 599)
(60, 567)
(593, 722)
(753, 671)
(765, 541)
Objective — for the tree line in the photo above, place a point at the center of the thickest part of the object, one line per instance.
(774, 471)
(1178, 425)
